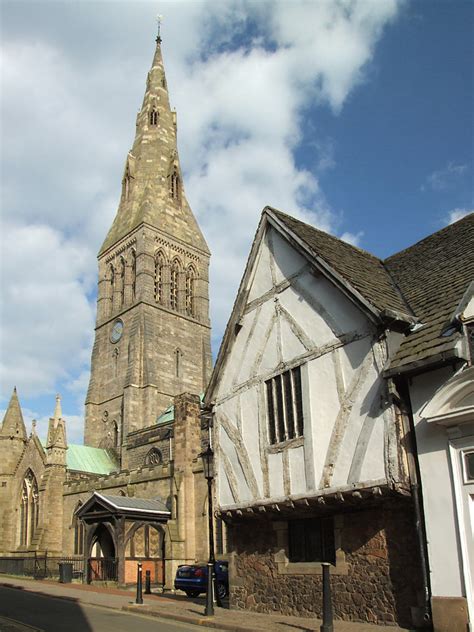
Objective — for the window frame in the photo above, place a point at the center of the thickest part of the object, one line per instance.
(284, 406)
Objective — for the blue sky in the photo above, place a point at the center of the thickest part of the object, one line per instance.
(355, 116)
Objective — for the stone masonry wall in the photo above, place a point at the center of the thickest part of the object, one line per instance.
(382, 580)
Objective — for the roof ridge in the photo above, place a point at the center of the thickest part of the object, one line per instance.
(449, 227)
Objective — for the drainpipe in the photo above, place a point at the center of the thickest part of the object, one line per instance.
(406, 415)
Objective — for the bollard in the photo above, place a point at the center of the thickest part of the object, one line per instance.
(139, 598)
(147, 582)
(327, 625)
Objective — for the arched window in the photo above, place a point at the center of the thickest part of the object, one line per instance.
(122, 279)
(78, 526)
(154, 457)
(153, 117)
(174, 280)
(110, 280)
(175, 185)
(115, 434)
(29, 509)
(190, 282)
(133, 266)
(159, 272)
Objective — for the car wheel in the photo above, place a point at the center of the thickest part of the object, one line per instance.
(221, 590)
(192, 593)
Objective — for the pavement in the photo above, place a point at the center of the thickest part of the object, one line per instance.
(180, 608)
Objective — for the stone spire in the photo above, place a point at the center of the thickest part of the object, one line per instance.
(13, 424)
(152, 185)
(57, 410)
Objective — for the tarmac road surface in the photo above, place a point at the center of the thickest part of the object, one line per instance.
(25, 611)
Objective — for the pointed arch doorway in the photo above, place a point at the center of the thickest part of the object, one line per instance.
(112, 525)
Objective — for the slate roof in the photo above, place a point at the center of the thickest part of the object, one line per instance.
(427, 280)
(433, 275)
(137, 504)
(363, 271)
(83, 458)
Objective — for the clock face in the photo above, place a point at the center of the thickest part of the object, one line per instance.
(117, 331)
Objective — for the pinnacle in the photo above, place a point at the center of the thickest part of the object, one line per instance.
(13, 423)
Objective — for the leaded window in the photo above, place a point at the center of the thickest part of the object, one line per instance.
(311, 540)
(284, 406)
(29, 509)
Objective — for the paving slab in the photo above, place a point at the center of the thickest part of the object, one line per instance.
(180, 608)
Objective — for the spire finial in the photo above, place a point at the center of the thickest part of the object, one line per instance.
(159, 19)
(57, 409)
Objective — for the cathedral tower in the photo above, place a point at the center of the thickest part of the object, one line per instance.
(152, 337)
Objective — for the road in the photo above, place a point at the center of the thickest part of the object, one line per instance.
(48, 614)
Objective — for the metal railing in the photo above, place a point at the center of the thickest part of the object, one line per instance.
(101, 569)
(40, 566)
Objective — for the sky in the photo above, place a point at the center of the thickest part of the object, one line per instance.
(354, 116)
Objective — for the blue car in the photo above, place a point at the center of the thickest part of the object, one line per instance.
(193, 579)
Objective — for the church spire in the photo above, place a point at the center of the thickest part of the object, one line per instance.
(13, 424)
(152, 185)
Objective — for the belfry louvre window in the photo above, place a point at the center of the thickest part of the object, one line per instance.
(311, 540)
(284, 406)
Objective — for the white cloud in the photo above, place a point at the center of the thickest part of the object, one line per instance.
(240, 94)
(74, 424)
(351, 238)
(445, 178)
(457, 214)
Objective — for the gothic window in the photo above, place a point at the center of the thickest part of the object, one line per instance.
(29, 510)
(153, 117)
(154, 457)
(122, 279)
(175, 185)
(78, 526)
(190, 282)
(115, 434)
(284, 406)
(159, 273)
(133, 266)
(174, 281)
(110, 280)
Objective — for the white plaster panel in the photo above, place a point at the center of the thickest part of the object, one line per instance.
(296, 459)
(287, 260)
(290, 345)
(230, 409)
(438, 502)
(224, 496)
(341, 309)
(262, 278)
(351, 357)
(373, 466)
(324, 406)
(275, 475)
(230, 450)
(249, 405)
(314, 325)
(361, 406)
(270, 359)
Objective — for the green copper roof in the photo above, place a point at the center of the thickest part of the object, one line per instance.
(83, 458)
(168, 414)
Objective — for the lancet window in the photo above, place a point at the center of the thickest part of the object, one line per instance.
(174, 284)
(159, 277)
(133, 266)
(29, 509)
(153, 117)
(178, 362)
(175, 185)
(122, 279)
(78, 527)
(190, 298)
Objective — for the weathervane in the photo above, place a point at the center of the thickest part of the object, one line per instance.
(159, 19)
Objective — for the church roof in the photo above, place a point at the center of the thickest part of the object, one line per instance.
(140, 504)
(84, 458)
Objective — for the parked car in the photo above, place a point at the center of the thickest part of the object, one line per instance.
(193, 579)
